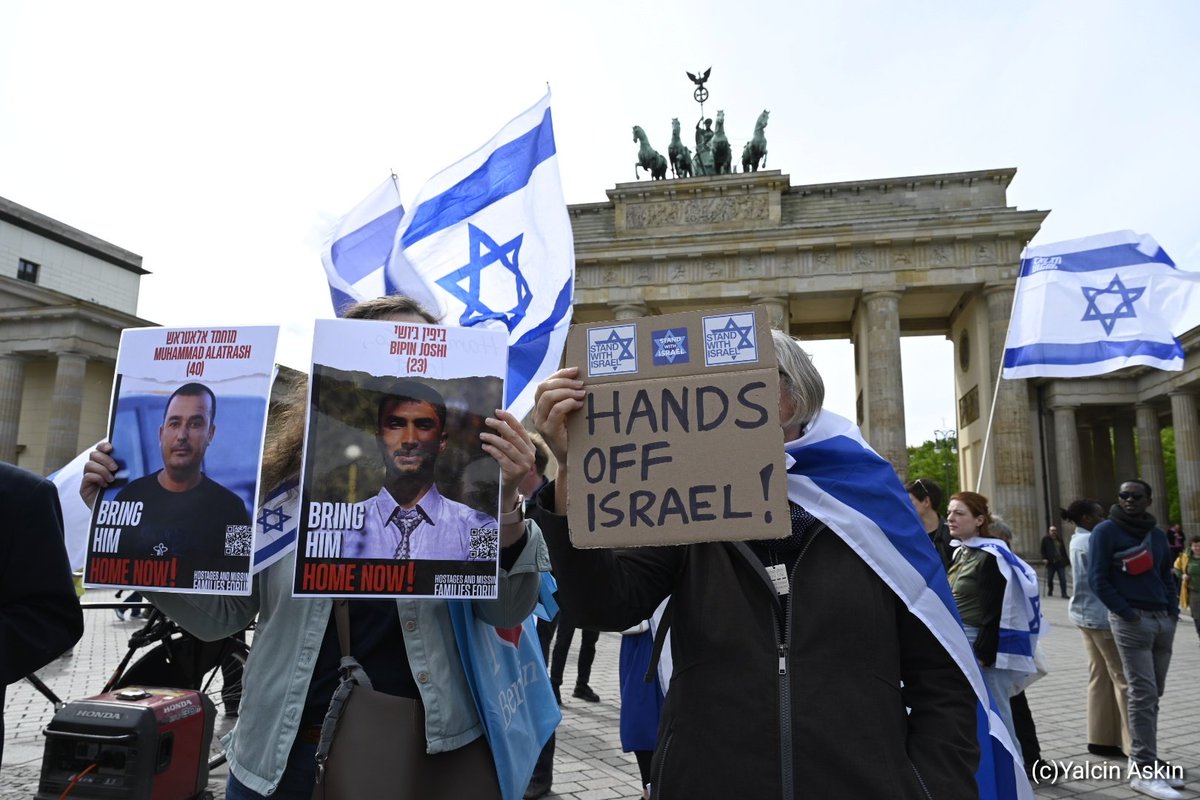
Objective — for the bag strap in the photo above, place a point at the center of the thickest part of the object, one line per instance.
(352, 674)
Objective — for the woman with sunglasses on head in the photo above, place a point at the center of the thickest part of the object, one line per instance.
(1130, 571)
(926, 497)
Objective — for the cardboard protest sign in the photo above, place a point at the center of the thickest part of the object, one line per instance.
(398, 498)
(679, 439)
(187, 422)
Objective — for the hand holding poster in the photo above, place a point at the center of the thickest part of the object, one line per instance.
(680, 431)
(398, 497)
(187, 422)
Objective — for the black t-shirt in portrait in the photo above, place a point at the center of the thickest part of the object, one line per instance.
(193, 526)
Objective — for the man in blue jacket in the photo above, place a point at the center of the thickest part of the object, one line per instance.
(1130, 571)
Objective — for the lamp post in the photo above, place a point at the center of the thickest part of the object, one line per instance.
(946, 444)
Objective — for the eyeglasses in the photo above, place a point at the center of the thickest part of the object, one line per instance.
(1131, 496)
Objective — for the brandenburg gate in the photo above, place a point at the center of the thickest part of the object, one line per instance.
(872, 261)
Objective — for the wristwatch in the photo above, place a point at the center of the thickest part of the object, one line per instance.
(516, 514)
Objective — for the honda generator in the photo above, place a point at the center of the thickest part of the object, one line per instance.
(136, 743)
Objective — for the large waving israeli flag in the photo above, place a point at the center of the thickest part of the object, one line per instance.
(1093, 305)
(841, 481)
(490, 240)
(356, 250)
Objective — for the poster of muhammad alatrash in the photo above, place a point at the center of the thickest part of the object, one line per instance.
(188, 415)
(398, 498)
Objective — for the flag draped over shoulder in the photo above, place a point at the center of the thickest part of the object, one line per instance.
(356, 250)
(841, 481)
(488, 241)
(1093, 305)
(1021, 610)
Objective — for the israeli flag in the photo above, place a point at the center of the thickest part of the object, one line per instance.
(489, 242)
(1021, 620)
(356, 250)
(275, 525)
(840, 480)
(1094, 305)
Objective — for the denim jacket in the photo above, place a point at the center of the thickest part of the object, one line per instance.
(1085, 608)
(289, 635)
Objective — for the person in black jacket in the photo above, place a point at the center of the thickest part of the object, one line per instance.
(926, 497)
(40, 618)
(802, 693)
(1054, 556)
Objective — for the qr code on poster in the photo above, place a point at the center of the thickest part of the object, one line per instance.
(485, 544)
(237, 540)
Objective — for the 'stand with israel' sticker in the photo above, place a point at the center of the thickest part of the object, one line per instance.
(670, 346)
(612, 350)
(730, 339)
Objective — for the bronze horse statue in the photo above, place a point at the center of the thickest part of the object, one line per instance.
(648, 158)
(722, 152)
(681, 157)
(756, 148)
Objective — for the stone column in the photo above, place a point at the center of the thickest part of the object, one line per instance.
(1015, 480)
(12, 386)
(1123, 442)
(66, 403)
(1150, 461)
(1187, 461)
(778, 314)
(1066, 449)
(1087, 457)
(1102, 457)
(623, 311)
(885, 386)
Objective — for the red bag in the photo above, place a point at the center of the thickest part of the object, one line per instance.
(1137, 559)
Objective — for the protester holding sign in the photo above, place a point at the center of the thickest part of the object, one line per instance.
(794, 650)
(407, 646)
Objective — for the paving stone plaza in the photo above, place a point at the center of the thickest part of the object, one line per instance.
(589, 763)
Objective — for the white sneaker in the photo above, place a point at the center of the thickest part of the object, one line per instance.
(1155, 787)
(120, 614)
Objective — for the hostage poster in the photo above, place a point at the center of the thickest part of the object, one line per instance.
(186, 424)
(398, 498)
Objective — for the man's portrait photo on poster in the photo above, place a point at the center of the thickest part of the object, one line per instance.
(395, 472)
(178, 516)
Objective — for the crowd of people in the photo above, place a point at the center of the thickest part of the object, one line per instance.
(758, 644)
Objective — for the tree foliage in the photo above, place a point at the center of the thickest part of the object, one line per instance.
(937, 461)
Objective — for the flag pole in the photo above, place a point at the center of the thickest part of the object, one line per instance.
(987, 433)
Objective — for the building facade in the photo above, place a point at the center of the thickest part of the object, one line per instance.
(871, 261)
(65, 297)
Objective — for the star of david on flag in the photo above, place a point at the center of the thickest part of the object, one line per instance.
(1093, 305)
(488, 242)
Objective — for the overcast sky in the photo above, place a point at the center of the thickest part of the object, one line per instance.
(220, 141)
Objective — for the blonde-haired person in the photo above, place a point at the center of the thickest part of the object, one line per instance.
(836, 656)
(292, 669)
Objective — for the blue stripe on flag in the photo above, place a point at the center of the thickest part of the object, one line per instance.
(364, 250)
(1089, 352)
(863, 480)
(506, 170)
(341, 300)
(1015, 643)
(527, 355)
(286, 540)
(1114, 257)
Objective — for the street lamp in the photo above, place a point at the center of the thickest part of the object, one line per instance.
(945, 442)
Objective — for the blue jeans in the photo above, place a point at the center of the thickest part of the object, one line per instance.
(1145, 647)
(999, 683)
(299, 776)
